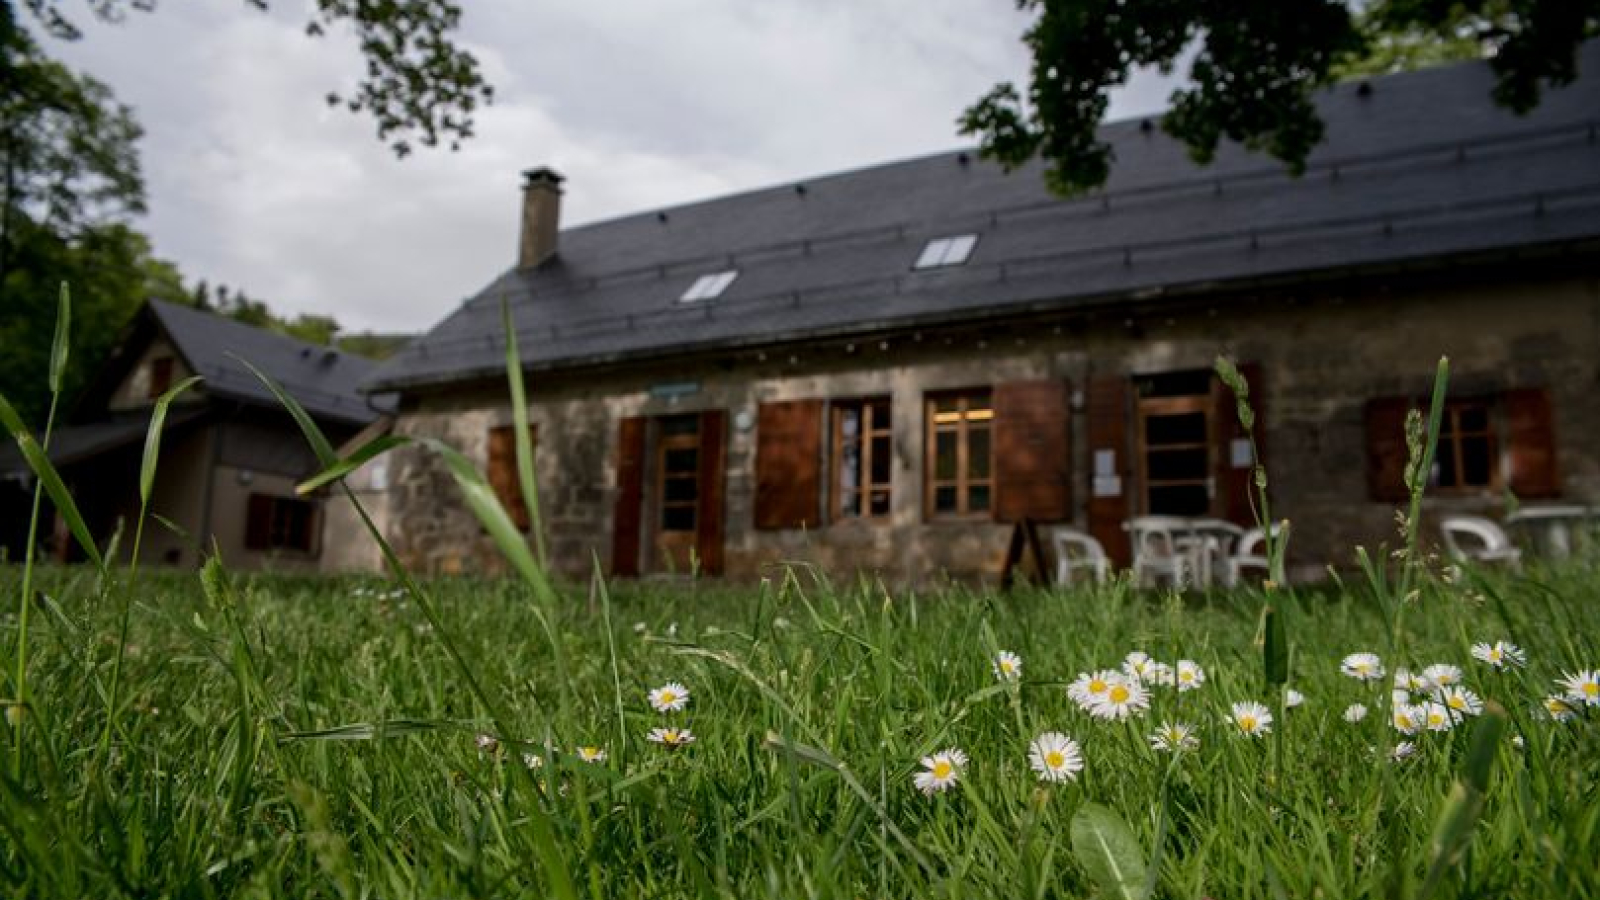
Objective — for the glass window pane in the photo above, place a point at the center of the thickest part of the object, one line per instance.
(959, 249)
(978, 498)
(882, 456)
(1475, 461)
(880, 414)
(880, 503)
(1175, 465)
(850, 422)
(944, 499)
(850, 504)
(1180, 500)
(946, 404)
(1180, 428)
(679, 490)
(978, 453)
(677, 518)
(1474, 418)
(944, 455)
(932, 254)
(1444, 463)
(678, 425)
(681, 460)
(850, 466)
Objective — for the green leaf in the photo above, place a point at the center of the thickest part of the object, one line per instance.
(314, 436)
(1275, 649)
(1109, 852)
(362, 455)
(53, 485)
(59, 345)
(1464, 806)
(367, 731)
(519, 420)
(1486, 734)
(152, 437)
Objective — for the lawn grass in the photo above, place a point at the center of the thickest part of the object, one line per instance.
(279, 736)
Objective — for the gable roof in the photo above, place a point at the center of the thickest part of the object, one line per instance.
(324, 380)
(1419, 166)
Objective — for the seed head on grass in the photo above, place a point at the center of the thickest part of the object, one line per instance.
(1007, 666)
(670, 697)
(1252, 718)
(1055, 757)
(940, 771)
(1500, 654)
(1362, 666)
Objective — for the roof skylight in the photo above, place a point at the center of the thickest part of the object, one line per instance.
(708, 287)
(946, 251)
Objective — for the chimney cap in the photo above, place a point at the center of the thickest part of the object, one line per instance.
(542, 175)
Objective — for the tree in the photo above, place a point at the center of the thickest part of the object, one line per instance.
(419, 87)
(1256, 66)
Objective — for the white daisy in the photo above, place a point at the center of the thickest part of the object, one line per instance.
(1403, 751)
(670, 697)
(1407, 680)
(1160, 674)
(1442, 674)
(1121, 700)
(1137, 664)
(1582, 688)
(1438, 717)
(940, 771)
(1399, 698)
(1409, 719)
(1559, 708)
(1518, 742)
(1190, 675)
(1460, 700)
(671, 738)
(1007, 666)
(1292, 698)
(1252, 718)
(533, 760)
(1362, 666)
(487, 743)
(592, 754)
(1173, 737)
(1500, 654)
(1354, 713)
(1091, 686)
(1055, 757)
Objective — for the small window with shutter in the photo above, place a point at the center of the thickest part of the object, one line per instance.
(1485, 443)
(863, 458)
(1465, 459)
(958, 469)
(280, 523)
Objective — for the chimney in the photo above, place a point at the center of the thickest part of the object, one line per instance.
(541, 216)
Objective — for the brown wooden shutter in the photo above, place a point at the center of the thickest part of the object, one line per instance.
(1531, 444)
(1107, 407)
(160, 376)
(1033, 449)
(627, 515)
(1235, 485)
(258, 523)
(788, 464)
(709, 515)
(1386, 448)
(503, 471)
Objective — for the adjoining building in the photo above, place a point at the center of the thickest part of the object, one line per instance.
(878, 370)
(230, 454)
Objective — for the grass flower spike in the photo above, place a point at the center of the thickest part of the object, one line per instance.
(670, 697)
(1500, 654)
(1007, 666)
(1055, 757)
(1252, 718)
(940, 771)
(1362, 666)
(1582, 688)
(1172, 737)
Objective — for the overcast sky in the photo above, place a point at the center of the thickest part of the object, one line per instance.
(254, 182)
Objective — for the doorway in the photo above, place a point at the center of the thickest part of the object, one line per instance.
(675, 522)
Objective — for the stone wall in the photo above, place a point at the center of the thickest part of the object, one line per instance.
(1321, 359)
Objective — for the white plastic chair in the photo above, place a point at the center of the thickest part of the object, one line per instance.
(1486, 542)
(1076, 550)
(1157, 555)
(1248, 554)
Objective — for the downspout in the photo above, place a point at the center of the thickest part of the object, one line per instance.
(211, 487)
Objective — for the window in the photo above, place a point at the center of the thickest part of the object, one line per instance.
(1466, 453)
(1175, 455)
(946, 251)
(160, 377)
(678, 473)
(959, 471)
(281, 523)
(709, 287)
(863, 458)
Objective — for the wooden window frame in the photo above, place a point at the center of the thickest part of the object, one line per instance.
(1452, 438)
(274, 538)
(866, 486)
(664, 443)
(1175, 405)
(963, 482)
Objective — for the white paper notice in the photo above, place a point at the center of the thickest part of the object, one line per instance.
(1105, 462)
(1239, 452)
(1107, 486)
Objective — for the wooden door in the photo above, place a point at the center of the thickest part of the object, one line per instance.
(1175, 470)
(676, 516)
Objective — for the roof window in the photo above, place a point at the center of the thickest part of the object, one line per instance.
(946, 251)
(708, 287)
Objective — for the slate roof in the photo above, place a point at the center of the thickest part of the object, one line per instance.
(1416, 167)
(322, 379)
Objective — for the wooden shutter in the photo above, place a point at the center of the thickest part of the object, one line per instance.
(160, 376)
(1531, 444)
(258, 523)
(1386, 448)
(1107, 404)
(1234, 485)
(1033, 448)
(788, 464)
(627, 515)
(503, 471)
(709, 515)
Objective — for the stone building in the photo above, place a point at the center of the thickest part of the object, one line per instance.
(230, 454)
(878, 370)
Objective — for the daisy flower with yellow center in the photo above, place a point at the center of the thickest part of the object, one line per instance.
(1173, 737)
(1582, 688)
(1442, 675)
(670, 697)
(1190, 676)
(1559, 708)
(487, 743)
(1292, 698)
(1354, 713)
(533, 760)
(1500, 654)
(592, 754)
(1161, 675)
(1407, 680)
(940, 771)
(1402, 751)
(1438, 717)
(1252, 718)
(1460, 700)
(1091, 686)
(1138, 665)
(1123, 699)
(671, 738)
(1007, 666)
(1408, 719)
(1362, 666)
(1055, 757)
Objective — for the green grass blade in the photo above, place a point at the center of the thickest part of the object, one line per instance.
(1109, 852)
(1275, 650)
(152, 437)
(360, 457)
(519, 419)
(60, 344)
(53, 485)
